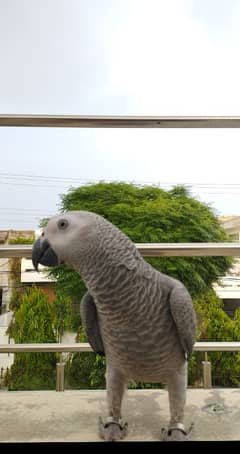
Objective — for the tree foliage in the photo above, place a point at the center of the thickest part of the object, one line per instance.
(150, 214)
(32, 323)
(61, 315)
(216, 326)
(36, 320)
(85, 370)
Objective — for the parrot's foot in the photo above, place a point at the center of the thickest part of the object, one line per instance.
(177, 432)
(112, 430)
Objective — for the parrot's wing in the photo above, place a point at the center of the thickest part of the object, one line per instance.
(184, 316)
(90, 323)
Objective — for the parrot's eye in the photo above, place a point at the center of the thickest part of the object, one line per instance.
(62, 224)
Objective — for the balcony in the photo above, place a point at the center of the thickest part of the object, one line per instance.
(72, 416)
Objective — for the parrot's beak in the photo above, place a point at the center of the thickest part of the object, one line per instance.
(43, 253)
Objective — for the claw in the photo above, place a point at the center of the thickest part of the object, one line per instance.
(112, 430)
(177, 432)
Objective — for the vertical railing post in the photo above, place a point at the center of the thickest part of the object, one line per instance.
(60, 375)
(207, 373)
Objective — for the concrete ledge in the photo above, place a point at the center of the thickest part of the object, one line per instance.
(72, 416)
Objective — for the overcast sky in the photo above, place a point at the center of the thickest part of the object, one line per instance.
(119, 57)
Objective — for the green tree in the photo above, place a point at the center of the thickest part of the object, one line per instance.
(85, 370)
(32, 323)
(149, 214)
(215, 325)
(55, 319)
(146, 214)
(61, 315)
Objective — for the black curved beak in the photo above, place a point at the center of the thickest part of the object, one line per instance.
(43, 253)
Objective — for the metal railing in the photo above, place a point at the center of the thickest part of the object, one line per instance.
(114, 121)
(85, 347)
(148, 250)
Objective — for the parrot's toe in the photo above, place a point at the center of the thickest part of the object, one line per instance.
(177, 433)
(112, 430)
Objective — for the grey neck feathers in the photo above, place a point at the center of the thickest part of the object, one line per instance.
(109, 261)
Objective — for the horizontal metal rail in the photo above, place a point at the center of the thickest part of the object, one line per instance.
(149, 250)
(45, 348)
(113, 121)
(85, 347)
(216, 347)
(188, 249)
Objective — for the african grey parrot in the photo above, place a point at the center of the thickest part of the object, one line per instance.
(142, 320)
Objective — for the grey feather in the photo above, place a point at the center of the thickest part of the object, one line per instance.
(184, 317)
(89, 319)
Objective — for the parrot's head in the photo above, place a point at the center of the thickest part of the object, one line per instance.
(65, 236)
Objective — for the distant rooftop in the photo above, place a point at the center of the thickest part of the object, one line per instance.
(6, 236)
(228, 217)
(230, 222)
